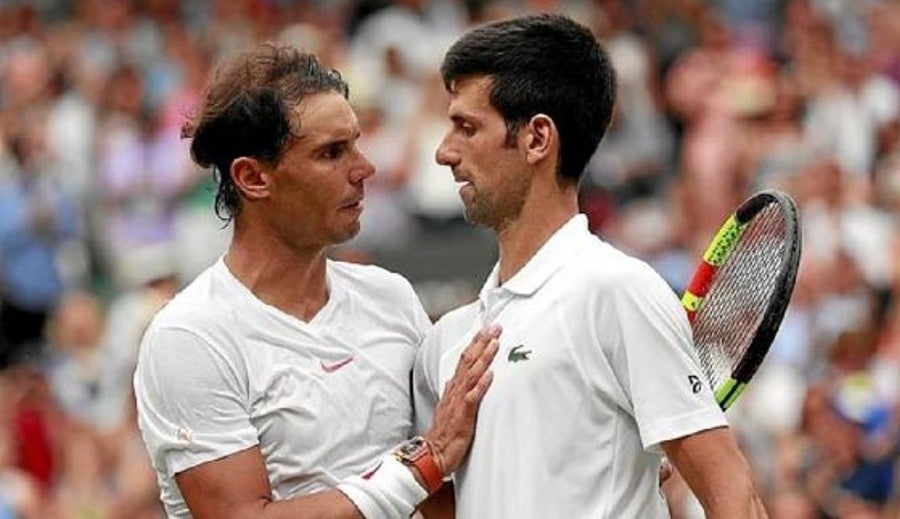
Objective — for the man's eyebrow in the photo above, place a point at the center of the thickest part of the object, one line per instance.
(462, 117)
(339, 139)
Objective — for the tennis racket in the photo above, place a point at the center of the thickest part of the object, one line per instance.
(738, 295)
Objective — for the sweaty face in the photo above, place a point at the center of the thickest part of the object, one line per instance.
(493, 174)
(317, 185)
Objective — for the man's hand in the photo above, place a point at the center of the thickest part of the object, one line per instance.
(454, 417)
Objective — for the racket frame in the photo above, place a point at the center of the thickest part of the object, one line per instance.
(717, 254)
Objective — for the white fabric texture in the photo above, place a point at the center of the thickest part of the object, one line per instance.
(591, 376)
(219, 371)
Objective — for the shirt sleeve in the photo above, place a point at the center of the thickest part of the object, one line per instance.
(654, 359)
(193, 406)
(424, 381)
(419, 317)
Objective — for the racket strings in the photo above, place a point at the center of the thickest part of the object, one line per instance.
(739, 294)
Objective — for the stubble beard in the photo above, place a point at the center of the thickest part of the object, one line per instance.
(496, 211)
(349, 233)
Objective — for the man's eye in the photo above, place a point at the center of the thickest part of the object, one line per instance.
(467, 129)
(334, 151)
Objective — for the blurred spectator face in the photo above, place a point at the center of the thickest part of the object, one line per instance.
(836, 438)
(26, 76)
(853, 350)
(393, 61)
(846, 275)
(853, 68)
(370, 117)
(825, 181)
(29, 144)
(789, 504)
(125, 92)
(787, 100)
(78, 323)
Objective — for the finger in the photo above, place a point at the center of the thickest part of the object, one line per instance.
(466, 359)
(475, 394)
(473, 374)
(487, 355)
(473, 350)
(665, 471)
(484, 361)
(493, 330)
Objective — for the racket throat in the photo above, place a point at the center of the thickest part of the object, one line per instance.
(728, 392)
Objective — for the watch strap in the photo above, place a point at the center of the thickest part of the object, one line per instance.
(424, 460)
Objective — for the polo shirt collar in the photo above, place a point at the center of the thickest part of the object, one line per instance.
(559, 249)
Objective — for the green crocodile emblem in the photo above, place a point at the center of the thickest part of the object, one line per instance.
(516, 354)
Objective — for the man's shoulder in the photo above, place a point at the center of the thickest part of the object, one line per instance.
(605, 264)
(200, 305)
(372, 279)
(366, 272)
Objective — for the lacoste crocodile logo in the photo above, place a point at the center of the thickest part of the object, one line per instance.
(518, 354)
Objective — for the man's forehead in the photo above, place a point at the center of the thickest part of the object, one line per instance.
(324, 113)
(470, 86)
(471, 96)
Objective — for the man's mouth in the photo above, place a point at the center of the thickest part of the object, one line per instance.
(463, 181)
(465, 187)
(355, 203)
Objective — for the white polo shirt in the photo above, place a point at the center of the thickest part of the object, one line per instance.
(220, 371)
(592, 374)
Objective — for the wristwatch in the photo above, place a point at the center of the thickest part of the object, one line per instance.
(416, 452)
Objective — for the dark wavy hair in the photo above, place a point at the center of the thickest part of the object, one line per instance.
(247, 112)
(542, 63)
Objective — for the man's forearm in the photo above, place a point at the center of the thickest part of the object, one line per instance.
(731, 501)
(329, 504)
(717, 473)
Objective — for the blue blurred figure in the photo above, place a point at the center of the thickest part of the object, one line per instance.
(36, 218)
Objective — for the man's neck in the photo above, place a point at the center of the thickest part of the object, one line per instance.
(292, 280)
(520, 240)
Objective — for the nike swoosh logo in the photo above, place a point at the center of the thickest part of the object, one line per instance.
(331, 368)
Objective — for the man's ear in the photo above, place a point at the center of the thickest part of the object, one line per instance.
(251, 178)
(541, 139)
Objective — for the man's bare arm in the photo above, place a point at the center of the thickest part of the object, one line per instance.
(237, 486)
(714, 468)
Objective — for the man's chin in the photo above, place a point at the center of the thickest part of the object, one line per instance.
(477, 217)
(347, 234)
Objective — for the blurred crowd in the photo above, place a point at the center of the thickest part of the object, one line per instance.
(103, 216)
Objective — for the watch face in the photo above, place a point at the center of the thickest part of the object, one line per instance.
(410, 447)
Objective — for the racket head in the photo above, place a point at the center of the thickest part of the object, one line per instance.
(739, 293)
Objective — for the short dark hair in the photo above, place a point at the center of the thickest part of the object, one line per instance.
(247, 112)
(542, 63)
